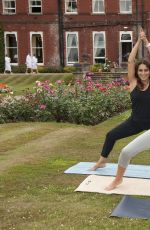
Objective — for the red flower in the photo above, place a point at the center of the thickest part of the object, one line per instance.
(102, 88)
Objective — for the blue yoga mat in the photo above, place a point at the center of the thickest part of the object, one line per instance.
(133, 208)
(137, 171)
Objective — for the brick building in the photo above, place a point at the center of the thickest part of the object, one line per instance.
(65, 32)
(31, 27)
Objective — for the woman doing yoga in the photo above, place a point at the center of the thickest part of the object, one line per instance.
(139, 85)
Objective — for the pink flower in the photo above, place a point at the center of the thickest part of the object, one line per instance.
(78, 82)
(59, 82)
(89, 88)
(88, 78)
(42, 107)
(98, 85)
(46, 82)
(38, 83)
(110, 85)
(90, 83)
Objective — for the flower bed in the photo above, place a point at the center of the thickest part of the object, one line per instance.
(4, 88)
(84, 102)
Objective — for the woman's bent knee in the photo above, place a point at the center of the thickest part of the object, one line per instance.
(124, 158)
(110, 136)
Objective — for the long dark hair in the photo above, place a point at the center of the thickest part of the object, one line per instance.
(147, 64)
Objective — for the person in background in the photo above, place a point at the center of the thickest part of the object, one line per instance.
(7, 65)
(29, 64)
(34, 64)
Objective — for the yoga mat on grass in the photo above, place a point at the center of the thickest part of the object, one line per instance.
(137, 171)
(133, 208)
(129, 186)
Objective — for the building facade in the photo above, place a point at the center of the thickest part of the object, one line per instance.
(30, 27)
(65, 32)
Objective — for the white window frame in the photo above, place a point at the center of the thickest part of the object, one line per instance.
(30, 7)
(98, 12)
(126, 11)
(5, 34)
(124, 41)
(67, 62)
(125, 32)
(31, 51)
(9, 8)
(73, 12)
(99, 32)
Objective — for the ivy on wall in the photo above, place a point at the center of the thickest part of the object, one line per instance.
(2, 50)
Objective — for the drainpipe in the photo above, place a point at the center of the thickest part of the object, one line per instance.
(142, 14)
(137, 18)
(142, 24)
(61, 35)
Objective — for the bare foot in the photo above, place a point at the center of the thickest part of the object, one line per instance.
(113, 184)
(97, 165)
(101, 163)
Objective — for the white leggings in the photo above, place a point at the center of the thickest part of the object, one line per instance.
(136, 146)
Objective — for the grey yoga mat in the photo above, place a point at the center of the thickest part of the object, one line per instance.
(133, 208)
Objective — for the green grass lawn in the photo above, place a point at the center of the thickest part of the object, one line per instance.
(35, 194)
(22, 82)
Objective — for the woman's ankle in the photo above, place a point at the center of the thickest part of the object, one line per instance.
(102, 160)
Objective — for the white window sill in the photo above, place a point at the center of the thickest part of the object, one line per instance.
(71, 13)
(98, 13)
(127, 12)
(9, 13)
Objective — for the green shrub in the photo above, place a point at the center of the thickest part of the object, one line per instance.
(19, 69)
(85, 102)
(95, 68)
(41, 69)
(69, 69)
(49, 69)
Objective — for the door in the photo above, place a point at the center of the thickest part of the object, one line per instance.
(125, 46)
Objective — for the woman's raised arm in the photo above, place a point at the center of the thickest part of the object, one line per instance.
(146, 42)
(131, 60)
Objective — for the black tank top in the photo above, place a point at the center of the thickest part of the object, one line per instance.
(141, 107)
